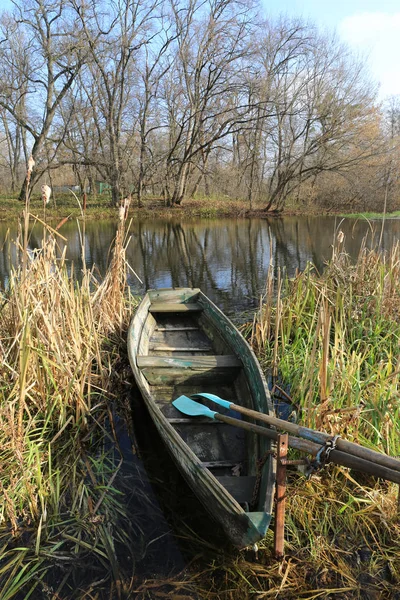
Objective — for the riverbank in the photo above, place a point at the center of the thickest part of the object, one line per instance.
(69, 528)
(101, 208)
(331, 342)
(67, 206)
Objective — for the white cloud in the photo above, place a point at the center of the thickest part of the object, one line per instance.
(377, 35)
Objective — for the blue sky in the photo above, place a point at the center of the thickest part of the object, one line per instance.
(370, 27)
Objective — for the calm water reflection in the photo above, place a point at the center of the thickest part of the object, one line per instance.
(227, 258)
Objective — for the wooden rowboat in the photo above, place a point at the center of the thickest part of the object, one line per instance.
(179, 342)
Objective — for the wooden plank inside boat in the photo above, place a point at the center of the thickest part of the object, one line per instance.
(178, 295)
(164, 307)
(197, 378)
(178, 338)
(192, 363)
(196, 370)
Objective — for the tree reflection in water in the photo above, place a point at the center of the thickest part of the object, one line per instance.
(227, 258)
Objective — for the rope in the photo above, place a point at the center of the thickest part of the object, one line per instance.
(322, 457)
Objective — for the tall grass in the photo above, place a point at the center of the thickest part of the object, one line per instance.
(332, 341)
(62, 521)
(335, 341)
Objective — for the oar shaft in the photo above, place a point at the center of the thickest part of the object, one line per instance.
(320, 437)
(336, 456)
(298, 444)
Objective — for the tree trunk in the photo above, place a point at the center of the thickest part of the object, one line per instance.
(180, 188)
(116, 190)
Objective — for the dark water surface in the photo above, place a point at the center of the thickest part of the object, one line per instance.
(227, 258)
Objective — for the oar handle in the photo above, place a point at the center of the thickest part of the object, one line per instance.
(366, 466)
(320, 437)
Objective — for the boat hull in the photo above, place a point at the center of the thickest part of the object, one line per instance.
(192, 445)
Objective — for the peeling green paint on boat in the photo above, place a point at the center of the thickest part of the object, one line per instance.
(261, 521)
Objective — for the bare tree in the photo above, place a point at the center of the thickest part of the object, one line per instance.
(54, 47)
(14, 134)
(82, 141)
(115, 38)
(202, 90)
(321, 99)
(152, 69)
(308, 103)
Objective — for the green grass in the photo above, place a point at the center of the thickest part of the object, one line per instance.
(371, 215)
(65, 205)
(333, 340)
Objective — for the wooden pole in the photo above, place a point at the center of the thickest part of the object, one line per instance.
(279, 532)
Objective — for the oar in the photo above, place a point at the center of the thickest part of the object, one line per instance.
(194, 409)
(319, 437)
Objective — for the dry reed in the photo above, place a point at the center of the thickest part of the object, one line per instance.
(62, 521)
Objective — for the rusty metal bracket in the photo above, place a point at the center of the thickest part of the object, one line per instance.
(280, 498)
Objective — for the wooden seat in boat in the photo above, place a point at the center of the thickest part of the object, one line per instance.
(171, 369)
(172, 307)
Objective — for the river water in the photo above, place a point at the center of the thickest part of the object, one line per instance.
(227, 258)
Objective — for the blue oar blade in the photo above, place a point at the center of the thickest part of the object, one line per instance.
(213, 398)
(193, 409)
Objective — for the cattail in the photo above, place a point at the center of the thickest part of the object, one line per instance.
(126, 205)
(46, 193)
(31, 164)
(123, 209)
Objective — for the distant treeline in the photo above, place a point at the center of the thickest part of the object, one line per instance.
(177, 98)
